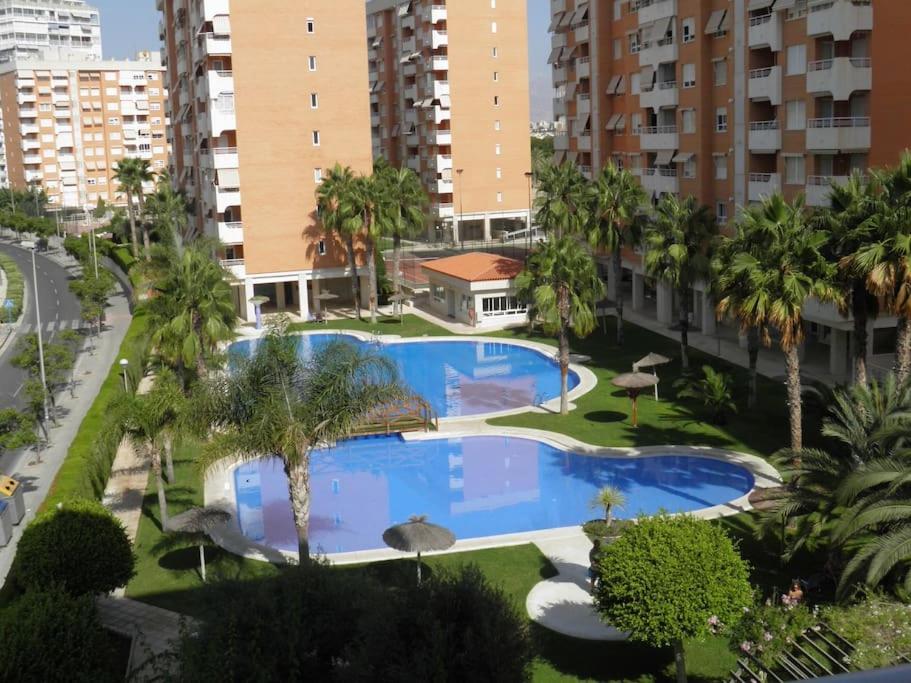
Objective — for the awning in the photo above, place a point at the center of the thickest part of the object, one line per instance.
(377, 42)
(612, 86)
(657, 30)
(647, 78)
(583, 122)
(621, 122)
(572, 156)
(612, 121)
(715, 21)
(559, 157)
(377, 87)
(555, 55)
(221, 24)
(404, 9)
(664, 157)
(566, 19)
(408, 129)
(570, 91)
(555, 22)
(725, 22)
(395, 130)
(683, 157)
(228, 177)
(760, 4)
(621, 86)
(785, 4)
(581, 13)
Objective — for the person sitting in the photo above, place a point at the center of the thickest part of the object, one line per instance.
(795, 594)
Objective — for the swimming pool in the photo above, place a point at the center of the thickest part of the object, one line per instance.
(459, 378)
(477, 486)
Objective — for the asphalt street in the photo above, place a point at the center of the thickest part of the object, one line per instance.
(59, 311)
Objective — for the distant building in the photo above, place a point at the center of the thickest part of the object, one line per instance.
(59, 30)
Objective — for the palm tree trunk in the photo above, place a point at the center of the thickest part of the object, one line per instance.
(169, 458)
(564, 370)
(795, 406)
(680, 661)
(903, 349)
(684, 327)
(355, 282)
(618, 286)
(753, 354)
(396, 274)
(134, 235)
(861, 341)
(159, 485)
(299, 492)
(371, 269)
(146, 239)
(200, 356)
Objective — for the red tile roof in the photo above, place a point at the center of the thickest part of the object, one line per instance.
(476, 267)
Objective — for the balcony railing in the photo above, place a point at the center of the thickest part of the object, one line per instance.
(663, 172)
(827, 64)
(760, 20)
(761, 73)
(658, 130)
(760, 177)
(840, 122)
(231, 262)
(764, 125)
(224, 150)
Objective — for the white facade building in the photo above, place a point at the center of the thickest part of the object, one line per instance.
(49, 29)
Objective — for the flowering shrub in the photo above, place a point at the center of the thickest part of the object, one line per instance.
(879, 629)
(769, 629)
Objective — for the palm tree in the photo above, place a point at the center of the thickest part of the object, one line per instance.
(562, 203)
(608, 498)
(365, 199)
(561, 283)
(616, 217)
(170, 211)
(400, 213)
(335, 210)
(678, 251)
(276, 403)
(777, 281)
(130, 174)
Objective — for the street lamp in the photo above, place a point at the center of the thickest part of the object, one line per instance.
(31, 246)
(528, 175)
(124, 363)
(459, 172)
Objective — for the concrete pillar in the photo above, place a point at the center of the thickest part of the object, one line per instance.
(316, 300)
(279, 296)
(638, 291)
(613, 281)
(304, 296)
(839, 341)
(487, 231)
(456, 230)
(250, 314)
(665, 303)
(709, 325)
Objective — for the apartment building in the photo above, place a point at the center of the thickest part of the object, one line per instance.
(264, 98)
(66, 125)
(49, 29)
(449, 98)
(730, 100)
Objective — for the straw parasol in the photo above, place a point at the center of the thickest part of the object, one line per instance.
(417, 535)
(197, 524)
(634, 383)
(323, 296)
(652, 360)
(398, 301)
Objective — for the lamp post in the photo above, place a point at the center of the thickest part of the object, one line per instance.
(124, 363)
(31, 246)
(461, 211)
(528, 175)
(94, 251)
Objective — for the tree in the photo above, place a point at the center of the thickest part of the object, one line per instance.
(336, 212)
(93, 293)
(561, 283)
(616, 215)
(400, 213)
(170, 212)
(59, 359)
(714, 390)
(275, 403)
(17, 429)
(78, 546)
(678, 251)
(562, 203)
(542, 153)
(608, 498)
(777, 282)
(130, 174)
(667, 579)
(365, 200)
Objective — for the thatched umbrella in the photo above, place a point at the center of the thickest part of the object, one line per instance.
(197, 524)
(417, 535)
(634, 383)
(652, 361)
(398, 301)
(323, 296)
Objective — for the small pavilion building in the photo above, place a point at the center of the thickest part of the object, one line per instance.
(476, 289)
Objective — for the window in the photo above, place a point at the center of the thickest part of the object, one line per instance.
(311, 63)
(494, 53)
(618, 10)
(797, 114)
(438, 293)
(689, 168)
(314, 100)
(496, 76)
(721, 119)
(688, 119)
(636, 123)
(720, 71)
(321, 247)
(113, 106)
(493, 27)
(797, 60)
(635, 83)
(317, 175)
(498, 150)
(798, 11)
(155, 106)
(496, 124)
(493, 306)
(689, 75)
(113, 121)
(721, 166)
(618, 48)
(689, 30)
(496, 100)
(493, 4)
(44, 107)
(499, 197)
(794, 172)
(115, 136)
(311, 25)
(50, 168)
(721, 212)
(316, 138)
(633, 43)
(499, 173)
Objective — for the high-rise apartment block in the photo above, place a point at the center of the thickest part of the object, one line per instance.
(67, 124)
(49, 29)
(264, 98)
(730, 100)
(449, 99)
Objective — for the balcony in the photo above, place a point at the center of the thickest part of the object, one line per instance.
(31, 159)
(443, 137)
(222, 116)
(582, 32)
(408, 22)
(763, 185)
(225, 157)
(845, 134)
(211, 8)
(584, 142)
(236, 267)
(559, 75)
(660, 180)
(445, 210)
(583, 67)
(220, 82)
(408, 45)
(231, 233)
(444, 186)
(841, 76)
(437, 13)
(30, 144)
(439, 63)
(658, 52)
(765, 137)
(443, 161)
(226, 197)
(374, 120)
(663, 95)
(440, 89)
(819, 187)
(765, 85)
(653, 10)
(560, 107)
(561, 142)
(583, 103)
(27, 98)
(765, 31)
(28, 129)
(213, 45)
(33, 176)
(438, 39)
(840, 18)
(658, 137)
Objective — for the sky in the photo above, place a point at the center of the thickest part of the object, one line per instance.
(128, 26)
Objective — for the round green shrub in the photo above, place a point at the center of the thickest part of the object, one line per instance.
(79, 546)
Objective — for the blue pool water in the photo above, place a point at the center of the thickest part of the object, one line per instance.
(463, 377)
(476, 486)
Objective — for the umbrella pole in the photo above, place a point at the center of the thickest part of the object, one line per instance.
(635, 398)
(419, 567)
(202, 562)
(655, 373)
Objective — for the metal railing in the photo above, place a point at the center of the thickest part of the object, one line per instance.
(658, 130)
(840, 122)
(764, 125)
(662, 172)
(762, 19)
(761, 73)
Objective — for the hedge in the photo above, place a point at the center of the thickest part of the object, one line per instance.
(87, 466)
(123, 257)
(15, 286)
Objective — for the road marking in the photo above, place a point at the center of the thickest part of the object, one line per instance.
(49, 327)
(18, 390)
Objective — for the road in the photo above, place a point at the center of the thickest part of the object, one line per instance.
(59, 311)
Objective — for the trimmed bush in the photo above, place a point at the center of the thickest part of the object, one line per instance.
(80, 547)
(15, 286)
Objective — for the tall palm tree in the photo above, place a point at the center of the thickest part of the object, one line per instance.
(170, 211)
(562, 203)
(616, 220)
(778, 280)
(277, 403)
(130, 174)
(336, 213)
(678, 251)
(400, 213)
(561, 283)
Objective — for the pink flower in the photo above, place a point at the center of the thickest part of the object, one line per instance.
(713, 620)
(767, 636)
(746, 646)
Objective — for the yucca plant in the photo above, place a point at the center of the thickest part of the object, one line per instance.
(607, 499)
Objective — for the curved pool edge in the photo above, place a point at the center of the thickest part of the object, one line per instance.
(219, 492)
(587, 379)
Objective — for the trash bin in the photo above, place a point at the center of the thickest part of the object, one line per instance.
(6, 523)
(11, 491)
